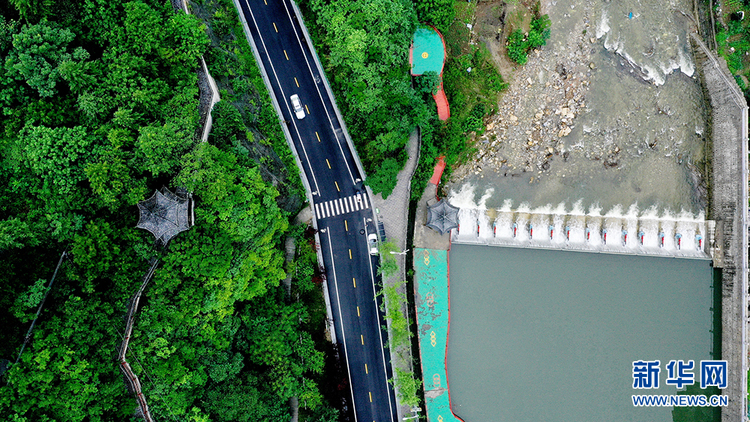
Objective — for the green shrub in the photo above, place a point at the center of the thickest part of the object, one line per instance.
(437, 12)
(517, 47)
(472, 124)
(539, 33)
(541, 25)
(408, 387)
(740, 82)
(428, 82)
(383, 180)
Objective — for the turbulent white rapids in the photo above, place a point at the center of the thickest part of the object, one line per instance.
(647, 36)
(631, 231)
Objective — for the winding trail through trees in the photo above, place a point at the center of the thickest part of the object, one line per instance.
(131, 379)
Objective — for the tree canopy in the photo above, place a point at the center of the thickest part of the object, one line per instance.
(366, 44)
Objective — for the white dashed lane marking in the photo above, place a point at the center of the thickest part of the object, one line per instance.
(341, 206)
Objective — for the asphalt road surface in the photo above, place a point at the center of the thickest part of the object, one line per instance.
(340, 203)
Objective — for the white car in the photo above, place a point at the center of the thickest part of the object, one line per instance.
(297, 105)
(372, 242)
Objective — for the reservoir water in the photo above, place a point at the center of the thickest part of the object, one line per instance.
(549, 335)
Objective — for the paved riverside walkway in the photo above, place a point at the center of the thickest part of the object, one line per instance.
(433, 320)
(432, 300)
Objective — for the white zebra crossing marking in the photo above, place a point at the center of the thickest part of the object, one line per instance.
(341, 206)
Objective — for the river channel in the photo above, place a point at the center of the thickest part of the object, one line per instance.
(639, 137)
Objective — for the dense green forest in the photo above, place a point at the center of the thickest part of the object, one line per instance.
(99, 107)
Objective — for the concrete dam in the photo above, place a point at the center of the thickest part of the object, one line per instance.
(616, 231)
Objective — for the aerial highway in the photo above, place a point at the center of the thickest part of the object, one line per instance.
(340, 202)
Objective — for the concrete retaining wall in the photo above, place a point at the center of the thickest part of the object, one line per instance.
(729, 206)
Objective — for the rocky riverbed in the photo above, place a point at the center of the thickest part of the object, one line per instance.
(609, 111)
(538, 110)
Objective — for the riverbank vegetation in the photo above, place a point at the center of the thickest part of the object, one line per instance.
(519, 43)
(99, 108)
(733, 39)
(472, 85)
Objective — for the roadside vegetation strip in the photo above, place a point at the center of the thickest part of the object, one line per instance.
(394, 304)
(364, 47)
(248, 118)
(433, 321)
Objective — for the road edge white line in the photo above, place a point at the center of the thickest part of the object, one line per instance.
(341, 319)
(286, 102)
(328, 115)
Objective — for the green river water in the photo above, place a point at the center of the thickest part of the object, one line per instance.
(546, 335)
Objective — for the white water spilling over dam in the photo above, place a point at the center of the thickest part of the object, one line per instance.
(616, 231)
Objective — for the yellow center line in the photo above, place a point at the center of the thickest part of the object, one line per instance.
(308, 110)
(346, 224)
(286, 55)
(337, 186)
(329, 163)
(357, 310)
(350, 254)
(316, 135)
(363, 340)
(370, 396)
(274, 27)
(295, 81)
(264, 2)
(366, 371)
(354, 280)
